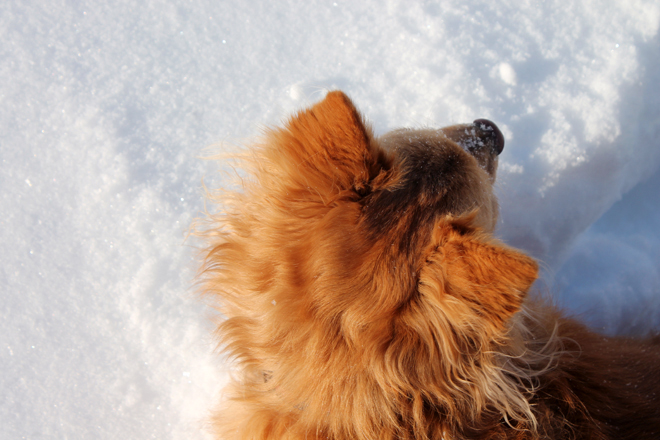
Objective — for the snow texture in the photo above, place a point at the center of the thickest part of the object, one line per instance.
(107, 109)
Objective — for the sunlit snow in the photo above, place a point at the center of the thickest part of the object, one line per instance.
(107, 110)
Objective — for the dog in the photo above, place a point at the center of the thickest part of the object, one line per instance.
(364, 296)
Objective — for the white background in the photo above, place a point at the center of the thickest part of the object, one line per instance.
(106, 109)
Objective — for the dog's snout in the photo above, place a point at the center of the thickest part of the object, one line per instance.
(490, 128)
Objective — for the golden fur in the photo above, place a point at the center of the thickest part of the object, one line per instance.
(366, 298)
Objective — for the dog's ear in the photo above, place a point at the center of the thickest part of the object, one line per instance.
(477, 272)
(328, 146)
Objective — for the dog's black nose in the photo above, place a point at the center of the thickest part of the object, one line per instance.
(489, 127)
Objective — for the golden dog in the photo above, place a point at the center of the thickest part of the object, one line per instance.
(366, 298)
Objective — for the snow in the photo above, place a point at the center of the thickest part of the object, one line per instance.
(108, 108)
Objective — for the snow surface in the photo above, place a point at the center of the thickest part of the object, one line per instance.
(107, 109)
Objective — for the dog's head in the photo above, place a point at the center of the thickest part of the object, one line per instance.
(378, 222)
(352, 263)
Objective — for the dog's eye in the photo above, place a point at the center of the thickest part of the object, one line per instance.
(362, 189)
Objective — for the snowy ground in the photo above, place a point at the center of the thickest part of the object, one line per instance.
(106, 110)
